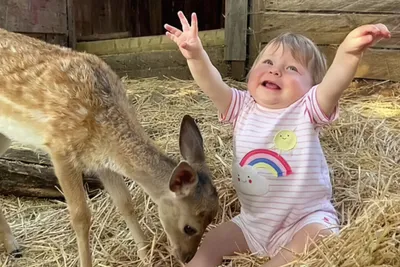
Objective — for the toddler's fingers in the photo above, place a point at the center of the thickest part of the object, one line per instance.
(194, 26)
(365, 40)
(173, 30)
(367, 29)
(376, 30)
(384, 31)
(184, 22)
(172, 37)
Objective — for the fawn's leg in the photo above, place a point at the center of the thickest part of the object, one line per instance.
(72, 186)
(116, 187)
(6, 235)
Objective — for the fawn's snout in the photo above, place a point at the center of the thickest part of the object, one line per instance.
(184, 256)
(185, 247)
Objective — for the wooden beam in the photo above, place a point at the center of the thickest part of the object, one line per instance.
(380, 64)
(364, 6)
(71, 24)
(324, 28)
(255, 17)
(236, 12)
(147, 43)
(238, 70)
(236, 29)
(104, 36)
(159, 63)
(26, 155)
(26, 173)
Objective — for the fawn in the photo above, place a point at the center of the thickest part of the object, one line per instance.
(73, 106)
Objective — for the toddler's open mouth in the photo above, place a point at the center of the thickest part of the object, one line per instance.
(270, 85)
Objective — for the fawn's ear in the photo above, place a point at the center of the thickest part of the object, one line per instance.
(191, 141)
(183, 180)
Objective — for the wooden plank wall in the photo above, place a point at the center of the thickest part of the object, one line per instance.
(112, 19)
(327, 23)
(43, 19)
(94, 18)
(236, 12)
(151, 56)
(151, 15)
(71, 24)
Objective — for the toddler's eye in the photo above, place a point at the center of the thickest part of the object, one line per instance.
(268, 61)
(292, 68)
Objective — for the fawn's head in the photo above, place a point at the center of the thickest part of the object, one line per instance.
(193, 202)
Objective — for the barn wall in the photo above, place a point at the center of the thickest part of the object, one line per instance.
(96, 17)
(154, 56)
(113, 19)
(43, 19)
(327, 23)
(151, 15)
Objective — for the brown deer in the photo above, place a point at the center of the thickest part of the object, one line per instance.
(74, 107)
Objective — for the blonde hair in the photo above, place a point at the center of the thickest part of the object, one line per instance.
(303, 50)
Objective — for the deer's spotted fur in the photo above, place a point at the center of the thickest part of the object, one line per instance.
(74, 107)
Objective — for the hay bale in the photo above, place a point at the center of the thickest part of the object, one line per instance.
(362, 148)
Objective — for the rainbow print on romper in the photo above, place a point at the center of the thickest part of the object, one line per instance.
(268, 160)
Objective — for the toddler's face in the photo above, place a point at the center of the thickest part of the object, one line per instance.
(278, 80)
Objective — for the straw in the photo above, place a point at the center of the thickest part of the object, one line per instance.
(362, 150)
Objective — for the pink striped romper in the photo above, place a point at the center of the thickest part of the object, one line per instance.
(279, 170)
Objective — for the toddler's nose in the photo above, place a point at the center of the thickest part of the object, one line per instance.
(275, 72)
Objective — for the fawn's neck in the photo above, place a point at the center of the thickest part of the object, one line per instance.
(156, 172)
(143, 162)
(135, 155)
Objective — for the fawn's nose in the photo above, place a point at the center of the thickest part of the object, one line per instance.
(184, 256)
(188, 257)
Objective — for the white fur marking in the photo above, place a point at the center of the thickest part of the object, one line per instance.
(110, 164)
(39, 116)
(17, 132)
(82, 111)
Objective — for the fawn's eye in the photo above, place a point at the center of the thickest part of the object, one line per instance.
(189, 230)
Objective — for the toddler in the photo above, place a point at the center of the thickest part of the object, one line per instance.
(279, 170)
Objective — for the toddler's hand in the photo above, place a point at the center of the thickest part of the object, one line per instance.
(363, 37)
(187, 40)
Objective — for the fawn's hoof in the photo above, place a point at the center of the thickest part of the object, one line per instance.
(16, 253)
(142, 253)
(12, 247)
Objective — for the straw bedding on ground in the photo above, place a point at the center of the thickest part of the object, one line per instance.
(362, 148)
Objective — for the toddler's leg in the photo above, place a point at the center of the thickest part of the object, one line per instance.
(224, 240)
(300, 242)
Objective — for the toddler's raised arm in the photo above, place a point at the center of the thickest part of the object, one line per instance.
(203, 71)
(344, 66)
